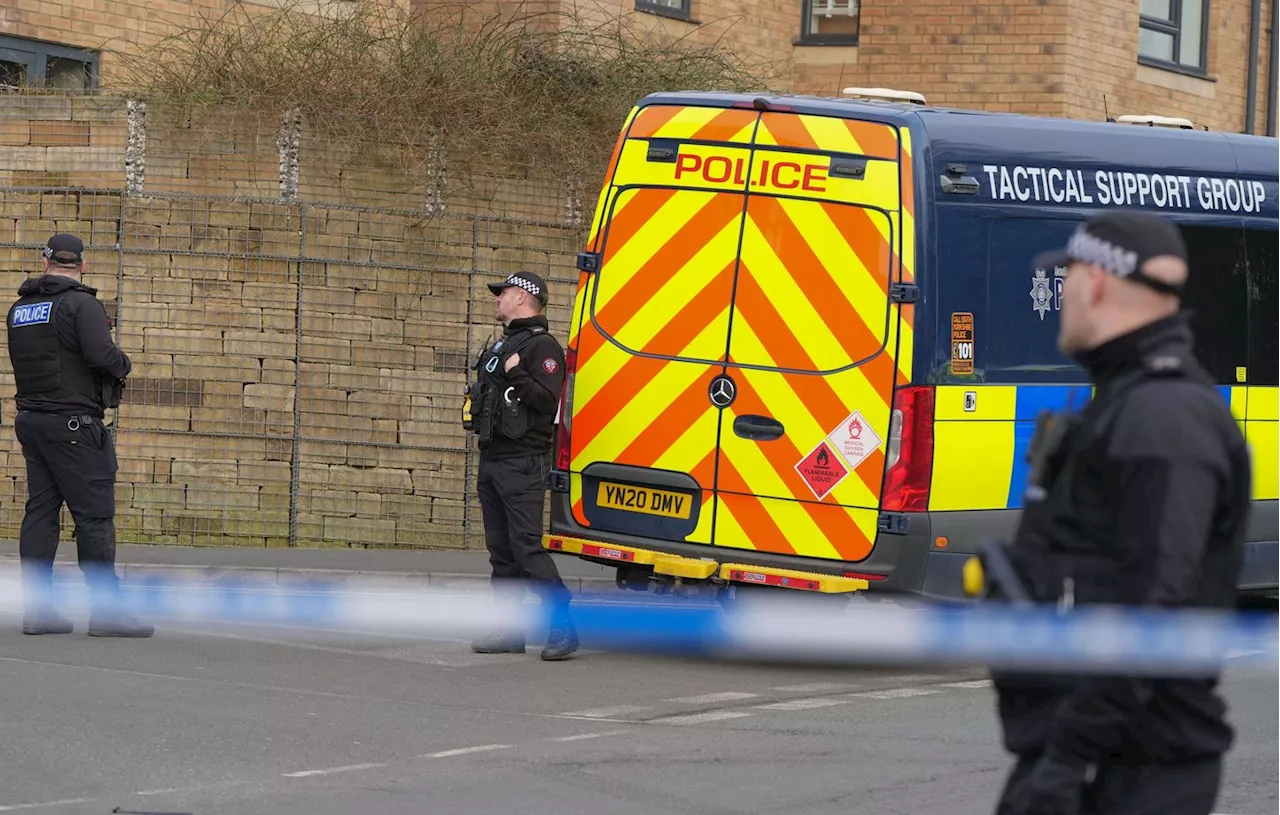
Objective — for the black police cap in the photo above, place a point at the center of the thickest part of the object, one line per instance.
(1121, 243)
(528, 281)
(65, 249)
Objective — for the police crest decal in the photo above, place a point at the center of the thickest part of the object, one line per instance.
(1041, 292)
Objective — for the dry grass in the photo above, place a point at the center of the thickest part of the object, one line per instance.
(536, 93)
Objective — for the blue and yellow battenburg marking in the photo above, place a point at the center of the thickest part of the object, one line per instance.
(982, 433)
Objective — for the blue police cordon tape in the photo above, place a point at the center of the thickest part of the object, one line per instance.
(782, 628)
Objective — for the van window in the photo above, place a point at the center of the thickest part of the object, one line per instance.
(1234, 320)
(1217, 296)
(1264, 323)
(1016, 334)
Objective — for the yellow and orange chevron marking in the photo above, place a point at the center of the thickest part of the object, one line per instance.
(811, 297)
(827, 135)
(787, 287)
(907, 258)
(693, 124)
(638, 410)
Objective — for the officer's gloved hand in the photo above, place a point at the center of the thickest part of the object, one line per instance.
(1054, 786)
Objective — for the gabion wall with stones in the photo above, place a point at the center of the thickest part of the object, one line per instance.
(301, 323)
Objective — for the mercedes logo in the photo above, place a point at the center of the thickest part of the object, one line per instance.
(722, 391)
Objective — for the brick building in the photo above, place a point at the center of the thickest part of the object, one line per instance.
(1073, 58)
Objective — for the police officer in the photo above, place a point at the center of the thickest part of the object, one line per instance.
(514, 403)
(68, 370)
(1138, 499)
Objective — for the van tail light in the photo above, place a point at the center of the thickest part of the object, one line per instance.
(564, 414)
(909, 460)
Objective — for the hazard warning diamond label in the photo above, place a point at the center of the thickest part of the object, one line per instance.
(855, 439)
(822, 469)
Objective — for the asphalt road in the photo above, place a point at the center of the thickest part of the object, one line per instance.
(273, 720)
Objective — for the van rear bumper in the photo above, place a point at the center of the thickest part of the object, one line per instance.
(927, 559)
(896, 563)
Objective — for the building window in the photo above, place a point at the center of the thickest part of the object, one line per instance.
(1174, 33)
(829, 22)
(36, 64)
(679, 9)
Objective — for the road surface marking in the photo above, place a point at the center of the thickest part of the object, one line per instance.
(585, 736)
(977, 683)
(902, 679)
(895, 693)
(463, 751)
(16, 807)
(699, 718)
(606, 712)
(803, 704)
(817, 687)
(332, 770)
(711, 698)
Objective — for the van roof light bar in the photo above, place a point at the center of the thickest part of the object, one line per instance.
(886, 95)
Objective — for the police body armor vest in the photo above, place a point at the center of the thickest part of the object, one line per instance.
(1052, 561)
(45, 370)
(496, 410)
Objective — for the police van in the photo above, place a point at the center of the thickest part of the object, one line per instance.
(808, 346)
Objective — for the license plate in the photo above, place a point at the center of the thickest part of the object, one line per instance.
(644, 499)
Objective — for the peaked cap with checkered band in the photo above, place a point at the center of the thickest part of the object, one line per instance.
(528, 281)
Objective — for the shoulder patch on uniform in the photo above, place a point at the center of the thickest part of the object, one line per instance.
(1163, 365)
(32, 314)
(550, 365)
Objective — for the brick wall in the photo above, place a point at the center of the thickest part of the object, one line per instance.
(991, 56)
(762, 29)
(1054, 57)
(49, 143)
(298, 365)
(1101, 62)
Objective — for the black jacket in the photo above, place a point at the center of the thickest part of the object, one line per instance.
(1148, 509)
(536, 380)
(61, 348)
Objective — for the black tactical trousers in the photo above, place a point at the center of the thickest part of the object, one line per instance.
(512, 495)
(69, 459)
(1145, 789)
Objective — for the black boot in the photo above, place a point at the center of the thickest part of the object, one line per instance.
(118, 624)
(499, 644)
(562, 641)
(37, 588)
(45, 621)
(109, 618)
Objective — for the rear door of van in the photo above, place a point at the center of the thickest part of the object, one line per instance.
(655, 329)
(736, 356)
(814, 338)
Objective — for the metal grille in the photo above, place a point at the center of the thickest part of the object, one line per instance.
(301, 330)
